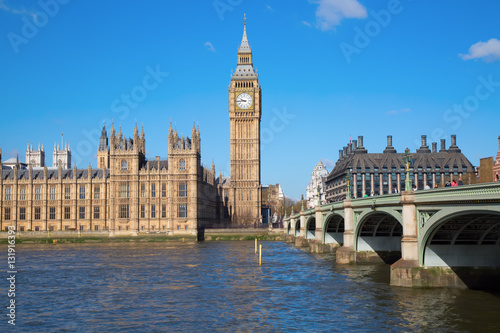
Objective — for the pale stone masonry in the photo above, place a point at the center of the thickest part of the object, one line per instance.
(127, 195)
(244, 191)
(318, 179)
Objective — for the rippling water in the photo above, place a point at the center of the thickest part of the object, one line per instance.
(219, 287)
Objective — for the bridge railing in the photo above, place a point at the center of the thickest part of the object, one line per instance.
(483, 191)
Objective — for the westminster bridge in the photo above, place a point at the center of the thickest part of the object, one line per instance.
(446, 237)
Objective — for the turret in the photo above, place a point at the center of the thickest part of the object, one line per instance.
(103, 141)
(136, 133)
(35, 158)
(62, 156)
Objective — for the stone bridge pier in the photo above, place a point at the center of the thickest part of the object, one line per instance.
(347, 253)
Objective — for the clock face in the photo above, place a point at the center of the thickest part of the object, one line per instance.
(244, 101)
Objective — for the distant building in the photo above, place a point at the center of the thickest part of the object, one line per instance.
(496, 167)
(485, 171)
(35, 158)
(380, 173)
(318, 180)
(61, 157)
(12, 163)
(272, 202)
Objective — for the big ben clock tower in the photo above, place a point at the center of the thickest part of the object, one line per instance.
(244, 115)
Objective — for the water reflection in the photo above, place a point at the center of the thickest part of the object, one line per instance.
(220, 287)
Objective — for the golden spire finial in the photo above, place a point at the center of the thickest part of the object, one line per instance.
(245, 19)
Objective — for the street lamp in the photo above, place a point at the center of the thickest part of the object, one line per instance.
(348, 182)
(407, 160)
(319, 195)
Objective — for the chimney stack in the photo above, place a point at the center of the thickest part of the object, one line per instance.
(424, 148)
(355, 143)
(360, 141)
(424, 141)
(453, 140)
(389, 148)
(443, 145)
(340, 154)
(454, 148)
(434, 147)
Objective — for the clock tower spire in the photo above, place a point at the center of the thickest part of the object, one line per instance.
(244, 115)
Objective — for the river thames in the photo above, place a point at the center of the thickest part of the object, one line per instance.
(219, 287)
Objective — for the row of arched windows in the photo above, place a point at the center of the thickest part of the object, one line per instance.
(244, 84)
(245, 60)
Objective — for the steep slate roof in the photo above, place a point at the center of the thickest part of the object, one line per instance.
(423, 160)
(221, 180)
(153, 165)
(53, 174)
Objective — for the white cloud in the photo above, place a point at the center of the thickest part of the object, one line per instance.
(489, 51)
(210, 47)
(394, 112)
(307, 24)
(21, 11)
(328, 163)
(13, 153)
(269, 8)
(331, 12)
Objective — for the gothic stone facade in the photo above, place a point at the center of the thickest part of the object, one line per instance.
(244, 191)
(318, 179)
(126, 195)
(129, 194)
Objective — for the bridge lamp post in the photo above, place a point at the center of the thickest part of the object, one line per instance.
(407, 160)
(348, 184)
(319, 195)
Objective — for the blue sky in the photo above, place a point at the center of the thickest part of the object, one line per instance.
(329, 70)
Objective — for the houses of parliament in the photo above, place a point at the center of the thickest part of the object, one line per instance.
(128, 193)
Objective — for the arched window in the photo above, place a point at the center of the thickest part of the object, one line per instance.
(124, 165)
(182, 165)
